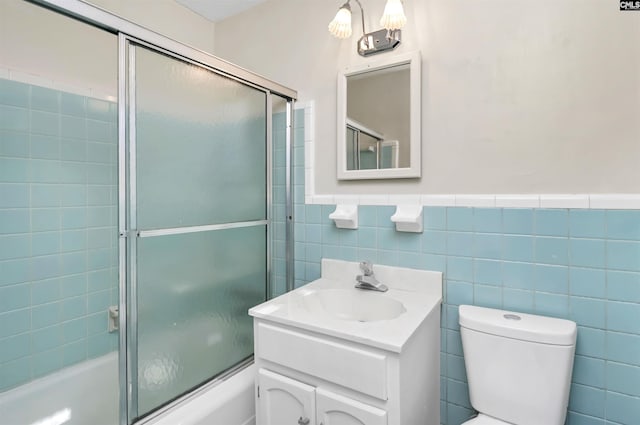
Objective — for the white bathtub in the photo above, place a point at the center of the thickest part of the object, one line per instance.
(229, 403)
(88, 394)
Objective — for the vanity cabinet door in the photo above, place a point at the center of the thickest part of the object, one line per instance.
(284, 401)
(334, 409)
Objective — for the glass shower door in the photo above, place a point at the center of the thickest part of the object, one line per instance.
(198, 194)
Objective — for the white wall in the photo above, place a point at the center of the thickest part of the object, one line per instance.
(518, 96)
(67, 52)
(165, 17)
(60, 50)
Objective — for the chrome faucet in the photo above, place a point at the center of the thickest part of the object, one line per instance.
(367, 280)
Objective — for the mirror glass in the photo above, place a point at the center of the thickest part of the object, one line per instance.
(379, 119)
(377, 132)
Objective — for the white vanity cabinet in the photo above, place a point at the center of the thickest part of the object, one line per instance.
(317, 368)
(283, 400)
(334, 381)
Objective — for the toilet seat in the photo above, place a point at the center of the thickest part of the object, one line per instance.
(485, 420)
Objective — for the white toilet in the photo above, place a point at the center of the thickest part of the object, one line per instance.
(518, 366)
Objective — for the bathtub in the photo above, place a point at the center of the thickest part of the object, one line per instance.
(87, 393)
(231, 402)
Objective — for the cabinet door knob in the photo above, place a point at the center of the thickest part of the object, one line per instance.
(303, 421)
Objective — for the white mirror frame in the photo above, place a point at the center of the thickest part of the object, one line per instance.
(414, 170)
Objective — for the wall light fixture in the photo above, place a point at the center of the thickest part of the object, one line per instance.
(374, 42)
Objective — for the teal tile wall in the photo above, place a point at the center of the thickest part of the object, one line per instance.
(582, 265)
(58, 231)
(278, 209)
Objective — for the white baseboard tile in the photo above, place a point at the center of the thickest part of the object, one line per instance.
(599, 201)
(518, 201)
(309, 155)
(486, 201)
(438, 200)
(37, 80)
(323, 200)
(309, 129)
(32, 79)
(374, 200)
(309, 183)
(564, 201)
(615, 201)
(404, 199)
(346, 199)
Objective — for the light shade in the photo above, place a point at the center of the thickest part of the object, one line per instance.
(340, 27)
(393, 17)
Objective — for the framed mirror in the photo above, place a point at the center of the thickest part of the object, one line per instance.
(379, 119)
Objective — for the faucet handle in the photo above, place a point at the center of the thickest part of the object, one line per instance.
(366, 267)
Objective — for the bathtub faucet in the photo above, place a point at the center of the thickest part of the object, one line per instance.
(367, 280)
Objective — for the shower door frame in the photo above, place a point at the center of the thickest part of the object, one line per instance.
(129, 32)
(128, 225)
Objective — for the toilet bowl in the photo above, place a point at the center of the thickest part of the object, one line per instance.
(518, 366)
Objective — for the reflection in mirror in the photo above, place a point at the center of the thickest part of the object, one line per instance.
(368, 150)
(378, 131)
(379, 119)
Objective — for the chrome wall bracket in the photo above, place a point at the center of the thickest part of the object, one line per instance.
(114, 319)
(379, 41)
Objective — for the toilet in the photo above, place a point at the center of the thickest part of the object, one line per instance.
(518, 366)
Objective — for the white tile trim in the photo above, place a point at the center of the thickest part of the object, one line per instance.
(404, 199)
(618, 202)
(322, 200)
(596, 201)
(438, 200)
(309, 150)
(518, 201)
(475, 201)
(564, 201)
(37, 80)
(374, 200)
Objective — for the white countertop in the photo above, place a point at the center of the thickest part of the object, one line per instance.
(419, 291)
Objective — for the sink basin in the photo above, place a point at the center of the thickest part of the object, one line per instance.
(353, 304)
(332, 306)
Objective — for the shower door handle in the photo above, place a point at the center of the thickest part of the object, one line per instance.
(303, 421)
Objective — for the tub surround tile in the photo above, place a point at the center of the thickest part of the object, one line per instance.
(577, 264)
(47, 209)
(623, 286)
(590, 371)
(623, 225)
(587, 223)
(585, 282)
(622, 408)
(459, 219)
(623, 348)
(623, 378)
(587, 400)
(487, 220)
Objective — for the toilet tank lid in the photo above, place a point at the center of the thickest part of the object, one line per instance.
(526, 327)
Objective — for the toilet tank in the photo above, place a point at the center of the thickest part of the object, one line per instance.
(518, 365)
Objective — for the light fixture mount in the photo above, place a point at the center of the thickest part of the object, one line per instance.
(373, 42)
(378, 42)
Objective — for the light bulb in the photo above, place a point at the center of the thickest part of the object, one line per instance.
(340, 27)
(393, 17)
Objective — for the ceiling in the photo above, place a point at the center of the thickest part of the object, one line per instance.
(217, 10)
